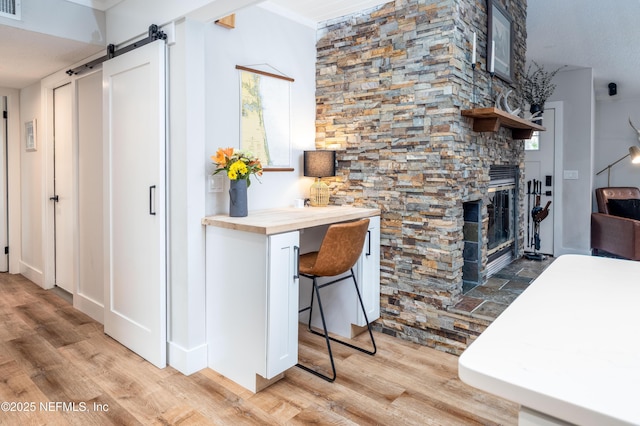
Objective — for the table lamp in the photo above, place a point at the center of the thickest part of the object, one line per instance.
(634, 152)
(319, 164)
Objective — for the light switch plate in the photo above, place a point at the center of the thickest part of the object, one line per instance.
(570, 174)
(216, 183)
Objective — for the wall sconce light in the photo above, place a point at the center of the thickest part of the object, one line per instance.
(319, 164)
(634, 152)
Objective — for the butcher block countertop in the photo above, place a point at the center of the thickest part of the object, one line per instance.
(277, 221)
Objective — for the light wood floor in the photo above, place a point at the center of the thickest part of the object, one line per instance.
(57, 356)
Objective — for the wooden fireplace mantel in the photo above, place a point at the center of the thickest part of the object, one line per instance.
(491, 119)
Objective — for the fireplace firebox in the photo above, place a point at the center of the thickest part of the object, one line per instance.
(502, 217)
(502, 223)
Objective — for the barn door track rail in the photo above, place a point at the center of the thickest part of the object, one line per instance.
(154, 34)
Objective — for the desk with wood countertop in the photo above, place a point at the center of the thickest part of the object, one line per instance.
(566, 349)
(253, 289)
(276, 221)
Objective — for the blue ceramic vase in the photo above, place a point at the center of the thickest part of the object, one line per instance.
(238, 198)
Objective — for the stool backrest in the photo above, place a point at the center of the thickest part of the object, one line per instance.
(341, 247)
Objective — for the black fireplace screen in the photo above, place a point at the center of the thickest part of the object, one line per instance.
(501, 218)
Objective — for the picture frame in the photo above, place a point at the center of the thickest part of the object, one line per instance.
(265, 117)
(30, 135)
(500, 42)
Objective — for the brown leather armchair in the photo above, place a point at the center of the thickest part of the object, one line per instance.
(614, 234)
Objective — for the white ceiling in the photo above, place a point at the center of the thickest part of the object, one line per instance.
(603, 35)
(28, 56)
(97, 4)
(324, 10)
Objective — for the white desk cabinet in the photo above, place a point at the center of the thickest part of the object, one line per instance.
(282, 311)
(252, 312)
(253, 290)
(368, 271)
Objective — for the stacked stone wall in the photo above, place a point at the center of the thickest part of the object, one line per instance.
(391, 83)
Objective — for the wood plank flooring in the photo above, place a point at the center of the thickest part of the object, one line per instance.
(58, 368)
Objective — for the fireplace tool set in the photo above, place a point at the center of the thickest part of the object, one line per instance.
(538, 214)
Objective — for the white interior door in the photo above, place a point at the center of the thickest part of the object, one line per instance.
(4, 234)
(135, 248)
(539, 167)
(63, 187)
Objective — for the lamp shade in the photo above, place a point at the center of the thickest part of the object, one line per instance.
(319, 163)
(634, 153)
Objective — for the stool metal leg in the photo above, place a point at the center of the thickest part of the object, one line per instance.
(316, 290)
(373, 342)
(366, 319)
(326, 336)
(313, 290)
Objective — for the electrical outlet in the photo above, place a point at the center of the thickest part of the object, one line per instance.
(570, 174)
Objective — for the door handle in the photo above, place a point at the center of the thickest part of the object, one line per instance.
(368, 253)
(54, 198)
(296, 255)
(152, 191)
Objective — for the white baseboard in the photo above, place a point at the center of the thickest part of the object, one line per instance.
(568, 250)
(32, 274)
(89, 306)
(187, 361)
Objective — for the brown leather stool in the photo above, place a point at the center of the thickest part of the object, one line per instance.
(340, 249)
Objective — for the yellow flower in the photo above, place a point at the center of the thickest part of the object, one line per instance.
(239, 167)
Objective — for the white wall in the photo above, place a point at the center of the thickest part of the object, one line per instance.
(186, 334)
(613, 138)
(575, 89)
(290, 49)
(129, 19)
(31, 189)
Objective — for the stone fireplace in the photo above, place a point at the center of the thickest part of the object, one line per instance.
(390, 86)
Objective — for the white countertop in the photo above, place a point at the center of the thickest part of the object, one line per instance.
(569, 345)
(275, 221)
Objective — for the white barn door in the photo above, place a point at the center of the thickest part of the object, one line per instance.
(135, 225)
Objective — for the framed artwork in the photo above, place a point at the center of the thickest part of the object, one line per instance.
(265, 115)
(500, 42)
(30, 135)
